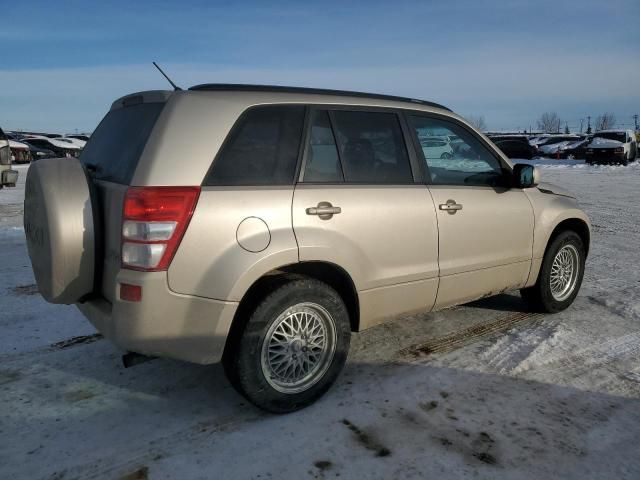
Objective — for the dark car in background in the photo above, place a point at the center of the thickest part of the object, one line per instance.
(516, 148)
(38, 153)
(60, 149)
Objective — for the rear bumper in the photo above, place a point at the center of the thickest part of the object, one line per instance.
(163, 323)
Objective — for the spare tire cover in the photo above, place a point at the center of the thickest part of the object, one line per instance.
(60, 228)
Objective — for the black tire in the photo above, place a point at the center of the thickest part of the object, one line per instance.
(243, 362)
(539, 296)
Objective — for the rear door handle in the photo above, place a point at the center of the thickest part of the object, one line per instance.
(324, 210)
(451, 206)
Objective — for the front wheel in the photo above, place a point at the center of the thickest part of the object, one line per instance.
(293, 347)
(560, 275)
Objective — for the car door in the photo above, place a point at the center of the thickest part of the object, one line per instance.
(357, 205)
(485, 227)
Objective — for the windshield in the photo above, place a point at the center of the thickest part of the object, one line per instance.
(619, 136)
(115, 147)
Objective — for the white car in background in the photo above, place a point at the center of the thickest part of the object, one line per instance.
(612, 146)
(436, 147)
(8, 176)
(19, 152)
(553, 148)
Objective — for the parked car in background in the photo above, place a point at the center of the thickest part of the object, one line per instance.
(516, 148)
(57, 145)
(19, 152)
(73, 141)
(84, 138)
(575, 149)
(612, 146)
(286, 220)
(38, 153)
(8, 176)
(550, 146)
(436, 147)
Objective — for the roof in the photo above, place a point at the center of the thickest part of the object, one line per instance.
(231, 87)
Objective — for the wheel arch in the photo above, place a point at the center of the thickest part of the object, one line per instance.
(574, 224)
(327, 272)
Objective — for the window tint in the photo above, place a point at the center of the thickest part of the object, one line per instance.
(322, 163)
(455, 156)
(371, 147)
(116, 145)
(262, 149)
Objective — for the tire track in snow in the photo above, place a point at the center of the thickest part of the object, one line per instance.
(61, 345)
(472, 334)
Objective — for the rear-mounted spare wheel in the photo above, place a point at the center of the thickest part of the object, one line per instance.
(60, 226)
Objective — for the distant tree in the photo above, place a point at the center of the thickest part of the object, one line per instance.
(605, 121)
(478, 122)
(549, 122)
(566, 128)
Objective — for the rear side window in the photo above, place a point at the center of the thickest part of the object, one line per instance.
(262, 149)
(115, 147)
(371, 147)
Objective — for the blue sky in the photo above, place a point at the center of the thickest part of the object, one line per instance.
(64, 62)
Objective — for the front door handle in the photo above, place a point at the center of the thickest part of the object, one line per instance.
(451, 206)
(324, 210)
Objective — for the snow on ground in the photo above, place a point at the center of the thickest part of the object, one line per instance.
(485, 390)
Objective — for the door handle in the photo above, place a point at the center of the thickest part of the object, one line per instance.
(451, 207)
(324, 210)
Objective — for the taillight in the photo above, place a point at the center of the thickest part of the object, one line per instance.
(154, 220)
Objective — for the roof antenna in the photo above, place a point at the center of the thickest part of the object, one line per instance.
(175, 87)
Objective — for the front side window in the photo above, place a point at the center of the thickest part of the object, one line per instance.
(453, 155)
(263, 148)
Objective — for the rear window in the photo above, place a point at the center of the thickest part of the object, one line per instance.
(262, 148)
(115, 147)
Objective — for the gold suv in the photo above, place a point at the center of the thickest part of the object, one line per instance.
(260, 226)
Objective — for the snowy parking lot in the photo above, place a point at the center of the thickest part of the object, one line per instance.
(485, 390)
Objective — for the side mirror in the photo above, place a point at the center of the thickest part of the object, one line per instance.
(525, 175)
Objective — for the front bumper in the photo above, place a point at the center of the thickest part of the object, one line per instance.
(603, 155)
(163, 323)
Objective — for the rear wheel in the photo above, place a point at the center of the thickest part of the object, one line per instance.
(560, 275)
(293, 347)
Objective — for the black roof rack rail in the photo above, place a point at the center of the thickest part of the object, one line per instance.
(239, 87)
